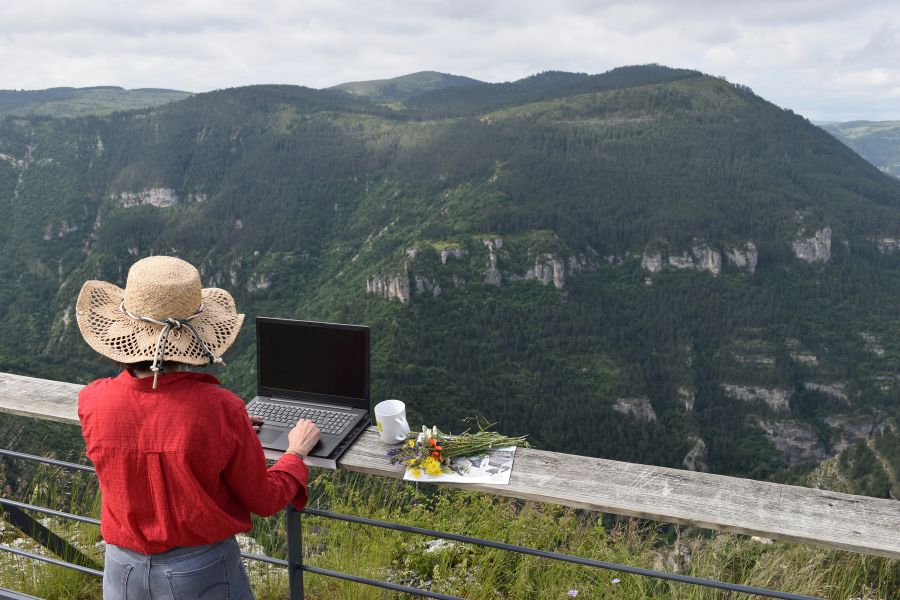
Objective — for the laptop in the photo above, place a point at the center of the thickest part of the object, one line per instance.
(312, 370)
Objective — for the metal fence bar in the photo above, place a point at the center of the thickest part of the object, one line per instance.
(381, 584)
(49, 461)
(53, 561)
(265, 559)
(6, 594)
(563, 557)
(49, 511)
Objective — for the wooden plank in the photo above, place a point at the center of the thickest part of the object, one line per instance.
(39, 398)
(829, 519)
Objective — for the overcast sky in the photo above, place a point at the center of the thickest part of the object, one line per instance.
(825, 59)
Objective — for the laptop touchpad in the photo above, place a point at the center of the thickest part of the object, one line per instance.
(269, 436)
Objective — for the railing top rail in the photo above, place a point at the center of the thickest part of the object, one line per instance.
(819, 517)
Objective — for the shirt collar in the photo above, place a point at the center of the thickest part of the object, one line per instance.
(146, 383)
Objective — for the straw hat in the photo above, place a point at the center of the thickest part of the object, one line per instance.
(162, 314)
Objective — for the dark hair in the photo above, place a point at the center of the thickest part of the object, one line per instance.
(144, 365)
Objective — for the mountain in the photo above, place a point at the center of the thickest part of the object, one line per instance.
(79, 102)
(876, 141)
(404, 87)
(649, 264)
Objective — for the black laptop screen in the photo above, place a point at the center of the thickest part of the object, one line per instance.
(313, 358)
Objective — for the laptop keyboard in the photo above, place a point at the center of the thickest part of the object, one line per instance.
(334, 422)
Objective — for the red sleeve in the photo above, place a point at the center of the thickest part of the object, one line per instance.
(263, 490)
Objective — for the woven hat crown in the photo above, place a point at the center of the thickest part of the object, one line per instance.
(161, 287)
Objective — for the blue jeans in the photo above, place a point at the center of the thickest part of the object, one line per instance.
(211, 572)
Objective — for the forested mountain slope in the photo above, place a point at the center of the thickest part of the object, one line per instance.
(396, 89)
(876, 141)
(79, 102)
(649, 265)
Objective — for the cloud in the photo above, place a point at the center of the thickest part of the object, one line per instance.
(827, 59)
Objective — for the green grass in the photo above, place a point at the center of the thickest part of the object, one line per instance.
(471, 571)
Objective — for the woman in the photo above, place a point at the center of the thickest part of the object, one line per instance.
(177, 458)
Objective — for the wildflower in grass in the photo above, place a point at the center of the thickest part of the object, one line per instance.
(616, 580)
(572, 593)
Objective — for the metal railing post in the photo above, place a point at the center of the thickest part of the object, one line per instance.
(294, 531)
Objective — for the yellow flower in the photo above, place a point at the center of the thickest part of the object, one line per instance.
(416, 472)
(410, 443)
(431, 466)
(411, 461)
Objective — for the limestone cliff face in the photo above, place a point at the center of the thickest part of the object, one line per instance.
(855, 429)
(652, 262)
(687, 397)
(743, 258)
(798, 443)
(258, 281)
(492, 275)
(834, 390)
(424, 285)
(888, 245)
(639, 408)
(681, 262)
(777, 399)
(547, 269)
(455, 252)
(701, 257)
(799, 353)
(708, 259)
(158, 196)
(390, 286)
(696, 458)
(872, 343)
(816, 249)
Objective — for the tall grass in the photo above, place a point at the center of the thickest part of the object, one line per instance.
(471, 571)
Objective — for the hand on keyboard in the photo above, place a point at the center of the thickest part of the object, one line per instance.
(303, 437)
(256, 422)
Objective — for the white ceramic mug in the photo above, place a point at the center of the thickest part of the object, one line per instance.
(390, 416)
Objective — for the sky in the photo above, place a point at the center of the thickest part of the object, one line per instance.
(828, 60)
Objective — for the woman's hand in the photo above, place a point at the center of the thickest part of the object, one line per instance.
(256, 422)
(303, 437)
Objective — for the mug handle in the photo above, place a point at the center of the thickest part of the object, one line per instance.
(402, 421)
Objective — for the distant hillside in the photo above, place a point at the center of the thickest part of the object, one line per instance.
(474, 99)
(649, 264)
(876, 141)
(79, 102)
(404, 87)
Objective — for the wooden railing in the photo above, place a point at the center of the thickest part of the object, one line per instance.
(818, 517)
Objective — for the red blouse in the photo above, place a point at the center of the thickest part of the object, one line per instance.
(179, 465)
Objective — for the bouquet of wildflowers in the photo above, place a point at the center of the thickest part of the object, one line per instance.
(432, 450)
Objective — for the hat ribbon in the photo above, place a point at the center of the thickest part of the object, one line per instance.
(168, 324)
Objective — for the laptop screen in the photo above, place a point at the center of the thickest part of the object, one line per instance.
(320, 361)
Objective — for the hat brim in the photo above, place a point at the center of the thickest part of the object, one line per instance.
(114, 334)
